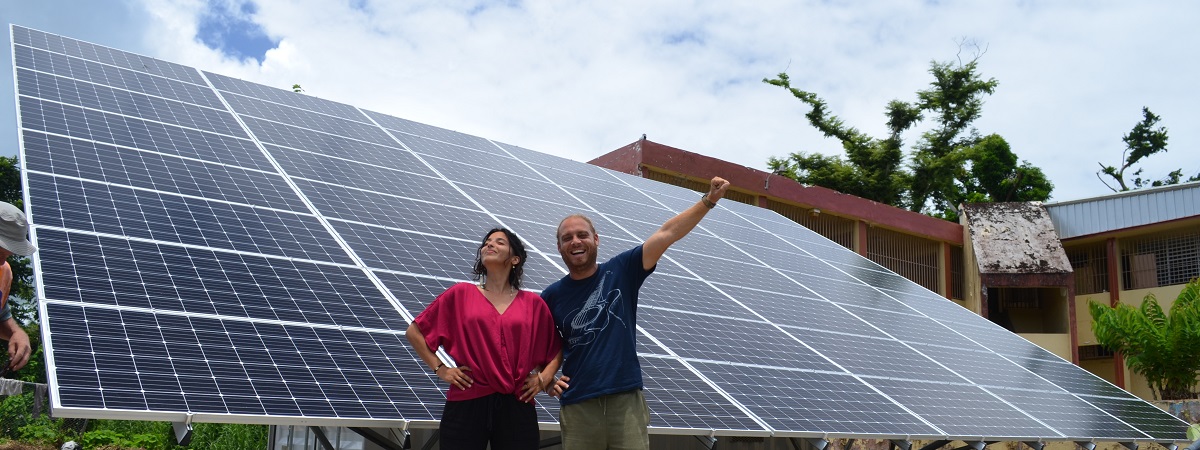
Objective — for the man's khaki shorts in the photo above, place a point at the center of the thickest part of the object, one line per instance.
(614, 421)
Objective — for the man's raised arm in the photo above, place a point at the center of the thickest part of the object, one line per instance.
(679, 226)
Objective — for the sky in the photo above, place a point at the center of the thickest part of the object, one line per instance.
(580, 79)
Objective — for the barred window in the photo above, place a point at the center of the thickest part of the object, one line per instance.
(700, 186)
(1091, 268)
(1161, 259)
(957, 271)
(834, 228)
(910, 256)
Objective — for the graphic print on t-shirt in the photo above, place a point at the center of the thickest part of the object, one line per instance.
(595, 314)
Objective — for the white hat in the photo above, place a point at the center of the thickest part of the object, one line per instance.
(13, 229)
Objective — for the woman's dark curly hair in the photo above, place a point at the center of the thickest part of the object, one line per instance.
(518, 250)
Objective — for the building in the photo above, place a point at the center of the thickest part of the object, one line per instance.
(1030, 267)
(1123, 247)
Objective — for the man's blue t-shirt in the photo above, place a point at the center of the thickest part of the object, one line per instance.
(597, 318)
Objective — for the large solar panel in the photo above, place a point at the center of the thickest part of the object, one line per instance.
(216, 250)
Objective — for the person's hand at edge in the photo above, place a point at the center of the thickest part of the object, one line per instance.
(456, 376)
(558, 386)
(19, 350)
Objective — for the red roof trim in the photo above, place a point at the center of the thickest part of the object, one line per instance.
(630, 158)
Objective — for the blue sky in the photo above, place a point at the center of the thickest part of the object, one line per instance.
(579, 79)
(231, 30)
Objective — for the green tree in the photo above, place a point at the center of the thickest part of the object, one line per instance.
(950, 164)
(20, 299)
(995, 175)
(1159, 346)
(873, 168)
(22, 286)
(1142, 141)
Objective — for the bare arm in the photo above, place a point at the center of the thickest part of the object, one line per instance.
(456, 376)
(679, 226)
(543, 380)
(18, 343)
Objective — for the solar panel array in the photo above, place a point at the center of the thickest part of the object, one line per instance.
(217, 248)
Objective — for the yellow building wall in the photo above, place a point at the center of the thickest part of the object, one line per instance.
(1165, 294)
(1083, 316)
(1057, 343)
(1101, 367)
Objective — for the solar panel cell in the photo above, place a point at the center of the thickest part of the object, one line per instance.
(962, 411)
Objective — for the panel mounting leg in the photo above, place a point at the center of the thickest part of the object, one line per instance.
(381, 440)
(809, 443)
(1034, 445)
(183, 430)
(321, 437)
(708, 441)
(1086, 445)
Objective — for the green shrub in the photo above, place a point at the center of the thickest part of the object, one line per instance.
(14, 413)
(229, 436)
(40, 431)
(103, 438)
(150, 441)
(1158, 345)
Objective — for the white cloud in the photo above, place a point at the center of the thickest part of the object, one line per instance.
(579, 79)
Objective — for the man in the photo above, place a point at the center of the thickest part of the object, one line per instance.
(13, 228)
(594, 307)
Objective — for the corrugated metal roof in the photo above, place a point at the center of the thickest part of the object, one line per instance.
(1124, 210)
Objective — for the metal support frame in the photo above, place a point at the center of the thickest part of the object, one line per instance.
(381, 440)
(809, 443)
(709, 441)
(183, 430)
(1130, 445)
(973, 445)
(1034, 445)
(905, 444)
(1086, 445)
(936, 444)
(1194, 446)
(321, 437)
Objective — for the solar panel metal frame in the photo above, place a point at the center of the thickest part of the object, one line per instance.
(117, 109)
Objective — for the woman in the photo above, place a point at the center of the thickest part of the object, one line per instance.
(499, 336)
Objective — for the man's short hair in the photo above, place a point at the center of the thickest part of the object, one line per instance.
(578, 215)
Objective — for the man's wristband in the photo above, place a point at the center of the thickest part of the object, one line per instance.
(707, 203)
(439, 367)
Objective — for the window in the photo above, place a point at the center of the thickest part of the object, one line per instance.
(1160, 259)
(1091, 268)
